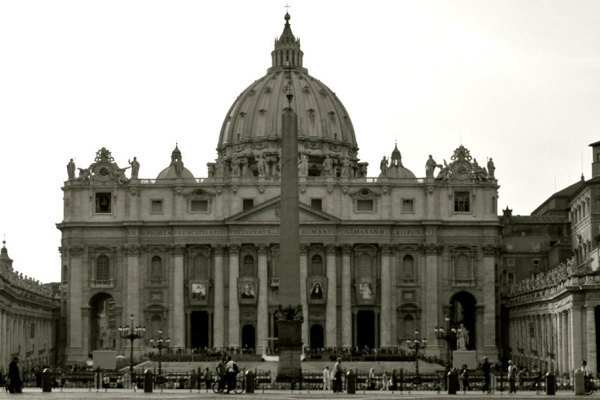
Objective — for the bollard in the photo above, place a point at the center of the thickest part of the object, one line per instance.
(579, 383)
(249, 382)
(47, 380)
(452, 382)
(550, 384)
(148, 381)
(350, 382)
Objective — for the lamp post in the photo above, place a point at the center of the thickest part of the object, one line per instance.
(160, 343)
(417, 343)
(447, 334)
(130, 332)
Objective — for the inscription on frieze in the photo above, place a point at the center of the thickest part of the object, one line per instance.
(407, 232)
(363, 231)
(193, 232)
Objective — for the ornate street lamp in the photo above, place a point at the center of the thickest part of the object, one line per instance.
(132, 333)
(417, 343)
(160, 343)
(447, 334)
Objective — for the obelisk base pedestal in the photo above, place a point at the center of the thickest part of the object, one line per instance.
(289, 368)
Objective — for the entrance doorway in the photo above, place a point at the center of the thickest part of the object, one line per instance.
(365, 329)
(462, 311)
(102, 322)
(199, 329)
(316, 337)
(248, 337)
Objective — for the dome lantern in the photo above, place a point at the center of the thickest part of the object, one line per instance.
(287, 51)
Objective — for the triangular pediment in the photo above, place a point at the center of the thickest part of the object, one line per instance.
(269, 212)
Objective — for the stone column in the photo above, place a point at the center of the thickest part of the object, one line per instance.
(431, 298)
(331, 310)
(489, 299)
(386, 293)
(234, 307)
(591, 339)
(558, 343)
(219, 300)
(576, 337)
(262, 313)
(133, 284)
(74, 335)
(177, 331)
(303, 297)
(346, 297)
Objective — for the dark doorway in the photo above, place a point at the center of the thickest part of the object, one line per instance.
(103, 322)
(199, 329)
(316, 337)
(462, 311)
(365, 329)
(248, 337)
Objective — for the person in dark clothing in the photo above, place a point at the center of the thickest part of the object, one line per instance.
(464, 377)
(221, 371)
(207, 379)
(486, 368)
(14, 377)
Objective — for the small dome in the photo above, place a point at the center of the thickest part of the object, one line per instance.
(398, 171)
(176, 170)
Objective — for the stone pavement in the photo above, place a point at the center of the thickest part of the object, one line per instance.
(126, 394)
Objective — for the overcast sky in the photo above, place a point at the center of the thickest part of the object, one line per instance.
(518, 81)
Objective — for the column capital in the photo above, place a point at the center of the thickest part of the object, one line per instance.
(262, 248)
(432, 249)
(304, 248)
(233, 247)
(218, 249)
(131, 249)
(76, 250)
(347, 249)
(330, 247)
(490, 249)
(177, 249)
(385, 248)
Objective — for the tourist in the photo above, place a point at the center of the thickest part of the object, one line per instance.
(221, 372)
(512, 376)
(337, 373)
(371, 379)
(232, 371)
(207, 379)
(15, 383)
(537, 379)
(326, 379)
(486, 368)
(464, 378)
(385, 382)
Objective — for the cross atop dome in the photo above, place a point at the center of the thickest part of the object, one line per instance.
(287, 51)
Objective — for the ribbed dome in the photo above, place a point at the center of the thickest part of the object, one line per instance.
(253, 124)
(176, 170)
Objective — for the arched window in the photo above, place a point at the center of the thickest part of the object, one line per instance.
(200, 267)
(316, 265)
(365, 266)
(102, 268)
(248, 266)
(407, 272)
(462, 270)
(156, 269)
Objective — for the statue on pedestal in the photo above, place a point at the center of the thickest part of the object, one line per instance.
(462, 338)
(135, 168)
(71, 170)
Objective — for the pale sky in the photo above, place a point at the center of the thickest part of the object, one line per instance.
(515, 80)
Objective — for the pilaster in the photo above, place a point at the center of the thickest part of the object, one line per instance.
(346, 297)
(303, 297)
(262, 314)
(234, 307)
(177, 332)
(386, 289)
(219, 299)
(331, 310)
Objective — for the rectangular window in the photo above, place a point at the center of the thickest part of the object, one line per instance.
(408, 206)
(316, 204)
(247, 204)
(103, 203)
(510, 262)
(156, 206)
(462, 202)
(536, 264)
(364, 205)
(199, 205)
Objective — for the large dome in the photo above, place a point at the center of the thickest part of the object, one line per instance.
(253, 124)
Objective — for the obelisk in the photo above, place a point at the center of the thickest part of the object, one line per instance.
(289, 315)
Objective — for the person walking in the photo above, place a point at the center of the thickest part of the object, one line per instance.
(371, 379)
(337, 372)
(487, 370)
(464, 378)
(232, 371)
(326, 379)
(512, 376)
(221, 372)
(207, 379)
(14, 376)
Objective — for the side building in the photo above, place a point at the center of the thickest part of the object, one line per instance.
(198, 258)
(29, 312)
(554, 311)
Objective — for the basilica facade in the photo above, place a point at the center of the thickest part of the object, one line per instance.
(381, 255)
